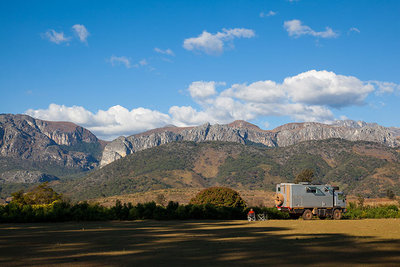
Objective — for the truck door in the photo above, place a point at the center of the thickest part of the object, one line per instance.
(340, 199)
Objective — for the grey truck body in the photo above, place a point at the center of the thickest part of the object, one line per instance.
(322, 200)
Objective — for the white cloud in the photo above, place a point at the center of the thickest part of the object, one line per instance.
(202, 89)
(187, 115)
(214, 43)
(296, 29)
(261, 91)
(308, 96)
(81, 31)
(115, 61)
(168, 51)
(142, 62)
(268, 14)
(385, 87)
(106, 124)
(326, 88)
(354, 29)
(55, 37)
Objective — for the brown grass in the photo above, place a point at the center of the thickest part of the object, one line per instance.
(183, 196)
(202, 243)
(208, 162)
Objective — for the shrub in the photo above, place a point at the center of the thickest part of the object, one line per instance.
(368, 212)
(390, 194)
(218, 196)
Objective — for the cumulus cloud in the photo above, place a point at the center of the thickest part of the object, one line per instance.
(202, 89)
(168, 51)
(326, 88)
(296, 29)
(116, 61)
(55, 37)
(106, 124)
(267, 14)
(187, 115)
(257, 92)
(308, 96)
(81, 31)
(214, 43)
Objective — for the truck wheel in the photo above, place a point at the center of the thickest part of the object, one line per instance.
(337, 214)
(307, 215)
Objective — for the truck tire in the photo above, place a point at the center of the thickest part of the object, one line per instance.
(337, 214)
(307, 215)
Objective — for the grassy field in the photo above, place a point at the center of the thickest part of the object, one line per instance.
(202, 243)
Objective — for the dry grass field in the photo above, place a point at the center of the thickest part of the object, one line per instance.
(183, 196)
(202, 243)
(252, 197)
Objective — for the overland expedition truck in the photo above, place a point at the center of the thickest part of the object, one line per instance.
(307, 200)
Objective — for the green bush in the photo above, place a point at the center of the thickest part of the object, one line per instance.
(219, 196)
(369, 212)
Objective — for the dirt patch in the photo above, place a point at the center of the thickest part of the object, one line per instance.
(202, 243)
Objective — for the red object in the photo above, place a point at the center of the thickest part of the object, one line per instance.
(251, 212)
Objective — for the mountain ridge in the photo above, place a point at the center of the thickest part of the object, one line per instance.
(244, 132)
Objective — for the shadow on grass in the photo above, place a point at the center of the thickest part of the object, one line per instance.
(191, 243)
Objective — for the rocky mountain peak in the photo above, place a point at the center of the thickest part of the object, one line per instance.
(62, 143)
(243, 124)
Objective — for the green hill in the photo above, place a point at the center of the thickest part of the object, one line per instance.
(357, 167)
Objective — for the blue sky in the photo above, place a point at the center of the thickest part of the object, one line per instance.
(123, 67)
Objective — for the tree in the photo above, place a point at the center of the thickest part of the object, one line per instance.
(219, 196)
(160, 199)
(305, 175)
(41, 194)
(360, 200)
(390, 194)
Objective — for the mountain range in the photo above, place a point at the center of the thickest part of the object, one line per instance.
(246, 133)
(33, 151)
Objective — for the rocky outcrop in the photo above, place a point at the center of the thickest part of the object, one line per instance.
(60, 143)
(29, 177)
(245, 133)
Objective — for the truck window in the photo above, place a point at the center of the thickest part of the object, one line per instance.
(311, 190)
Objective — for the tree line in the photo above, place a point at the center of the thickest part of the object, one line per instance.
(43, 204)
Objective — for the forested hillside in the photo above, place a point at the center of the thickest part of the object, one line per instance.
(357, 167)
